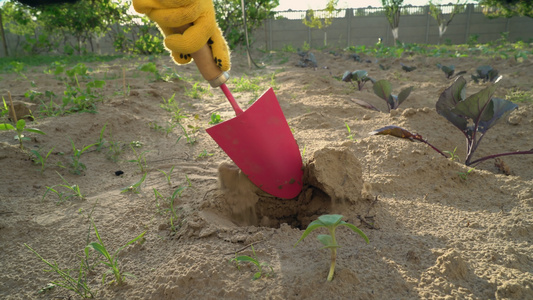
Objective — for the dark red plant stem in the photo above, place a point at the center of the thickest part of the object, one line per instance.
(477, 161)
(433, 147)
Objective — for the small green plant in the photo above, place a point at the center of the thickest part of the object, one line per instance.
(359, 76)
(464, 175)
(190, 138)
(63, 196)
(174, 224)
(101, 140)
(3, 109)
(167, 175)
(140, 158)
(150, 67)
(197, 91)
(383, 89)
(77, 285)
(76, 165)
(111, 261)
(18, 67)
(350, 135)
(215, 119)
(452, 154)
(330, 222)
(40, 159)
(134, 188)
(20, 129)
(204, 154)
(245, 258)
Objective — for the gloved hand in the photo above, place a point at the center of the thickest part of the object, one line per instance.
(170, 14)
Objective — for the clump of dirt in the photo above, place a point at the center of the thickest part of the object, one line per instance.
(332, 180)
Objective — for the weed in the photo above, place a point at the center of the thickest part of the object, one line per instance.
(330, 222)
(350, 135)
(74, 189)
(112, 260)
(190, 139)
(197, 91)
(245, 258)
(150, 67)
(452, 154)
(215, 119)
(20, 129)
(134, 188)
(4, 110)
(101, 141)
(115, 149)
(77, 285)
(204, 154)
(140, 157)
(464, 175)
(518, 96)
(76, 165)
(40, 159)
(174, 225)
(167, 175)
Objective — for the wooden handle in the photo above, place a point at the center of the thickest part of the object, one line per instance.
(205, 63)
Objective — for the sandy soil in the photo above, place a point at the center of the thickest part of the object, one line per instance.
(433, 235)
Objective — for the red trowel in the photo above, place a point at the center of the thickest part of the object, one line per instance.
(259, 139)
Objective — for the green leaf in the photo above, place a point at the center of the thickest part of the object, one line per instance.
(312, 226)
(404, 94)
(130, 242)
(248, 259)
(355, 229)
(327, 241)
(35, 130)
(20, 125)
(99, 248)
(5, 126)
(383, 89)
(500, 109)
(330, 220)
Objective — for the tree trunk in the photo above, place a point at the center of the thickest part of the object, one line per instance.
(3, 34)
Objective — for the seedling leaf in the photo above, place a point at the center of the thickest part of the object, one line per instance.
(404, 94)
(34, 130)
(356, 230)
(383, 89)
(5, 126)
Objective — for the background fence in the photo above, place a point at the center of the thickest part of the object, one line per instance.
(362, 26)
(365, 25)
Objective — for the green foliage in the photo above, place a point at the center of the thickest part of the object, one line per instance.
(140, 158)
(254, 260)
(76, 165)
(136, 187)
(73, 188)
(167, 175)
(111, 261)
(41, 159)
(313, 21)
(436, 12)
(229, 17)
(20, 129)
(507, 8)
(392, 12)
(215, 119)
(330, 222)
(76, 284)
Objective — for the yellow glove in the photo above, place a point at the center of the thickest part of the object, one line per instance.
(170, 14)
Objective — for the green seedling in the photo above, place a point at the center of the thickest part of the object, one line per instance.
(18, 67)
(204, 154)
(74, 189)
(174, 225)
(190, 139)
(245, 258)
(140, 158)
(452, 154)
(20, 129)
(77, 285)
(40, 159)
(464, 175)
(196, 91)
(76, 165)
(167, 175)
(215, 119)
(330, 222)
(4, 110)
(101, 141)
(150, 67)
(189, 183)
(350, 135)
(134, 188)
(111, 260)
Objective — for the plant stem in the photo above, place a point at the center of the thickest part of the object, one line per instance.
(333, 260)
(433, 147)
(477, 161)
